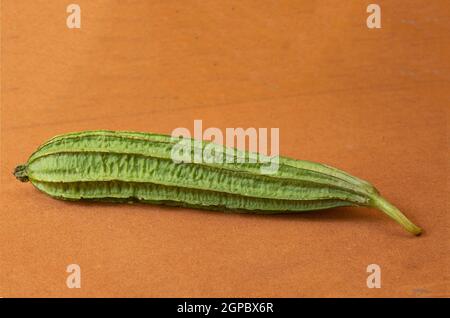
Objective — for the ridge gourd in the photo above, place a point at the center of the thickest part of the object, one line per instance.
(118, 166)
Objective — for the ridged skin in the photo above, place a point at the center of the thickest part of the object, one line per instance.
(130, 166)
(138, 160)
(157, 194)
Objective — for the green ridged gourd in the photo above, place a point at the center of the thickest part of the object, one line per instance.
(118, 166)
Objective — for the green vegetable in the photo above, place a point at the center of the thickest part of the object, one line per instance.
(130, 166)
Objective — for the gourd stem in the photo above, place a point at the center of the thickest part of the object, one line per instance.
(382, 204)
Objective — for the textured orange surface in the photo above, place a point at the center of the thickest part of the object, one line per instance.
(372, 102)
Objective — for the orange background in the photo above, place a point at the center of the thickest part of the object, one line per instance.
(373, 102)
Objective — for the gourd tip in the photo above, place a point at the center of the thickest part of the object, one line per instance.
(21, 174)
